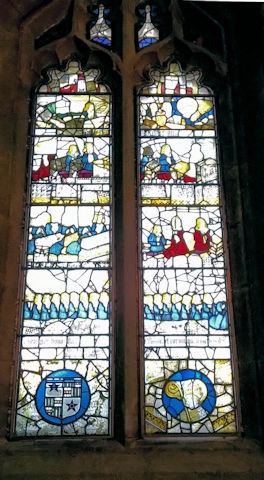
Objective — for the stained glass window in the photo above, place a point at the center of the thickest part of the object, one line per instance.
(65, 376)
(64, 385)
(148, 32)
(153, 22)
(189, 386)
(100, 26)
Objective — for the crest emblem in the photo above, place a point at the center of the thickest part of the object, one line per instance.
(62, 397)
(189, 395)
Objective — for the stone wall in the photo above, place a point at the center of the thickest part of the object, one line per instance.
(242, 152)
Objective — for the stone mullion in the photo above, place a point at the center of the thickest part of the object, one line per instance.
(130, 236)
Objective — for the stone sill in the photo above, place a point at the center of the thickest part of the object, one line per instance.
(234, 459)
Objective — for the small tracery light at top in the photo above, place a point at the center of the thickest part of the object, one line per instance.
(189, 384)
(100, 26)
(148, 33)
(64, 375)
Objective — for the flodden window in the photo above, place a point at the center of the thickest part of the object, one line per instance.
(69, 343)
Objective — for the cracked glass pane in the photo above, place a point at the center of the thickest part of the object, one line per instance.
(64, 379)
(189, 384)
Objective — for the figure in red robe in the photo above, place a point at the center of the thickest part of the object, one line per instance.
(178, 245)
(202, 237)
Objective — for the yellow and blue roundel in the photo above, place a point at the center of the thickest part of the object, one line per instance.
(62, 397)
(189, 395)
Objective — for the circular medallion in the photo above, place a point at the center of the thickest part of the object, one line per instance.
(62, 397)
(189, 395)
